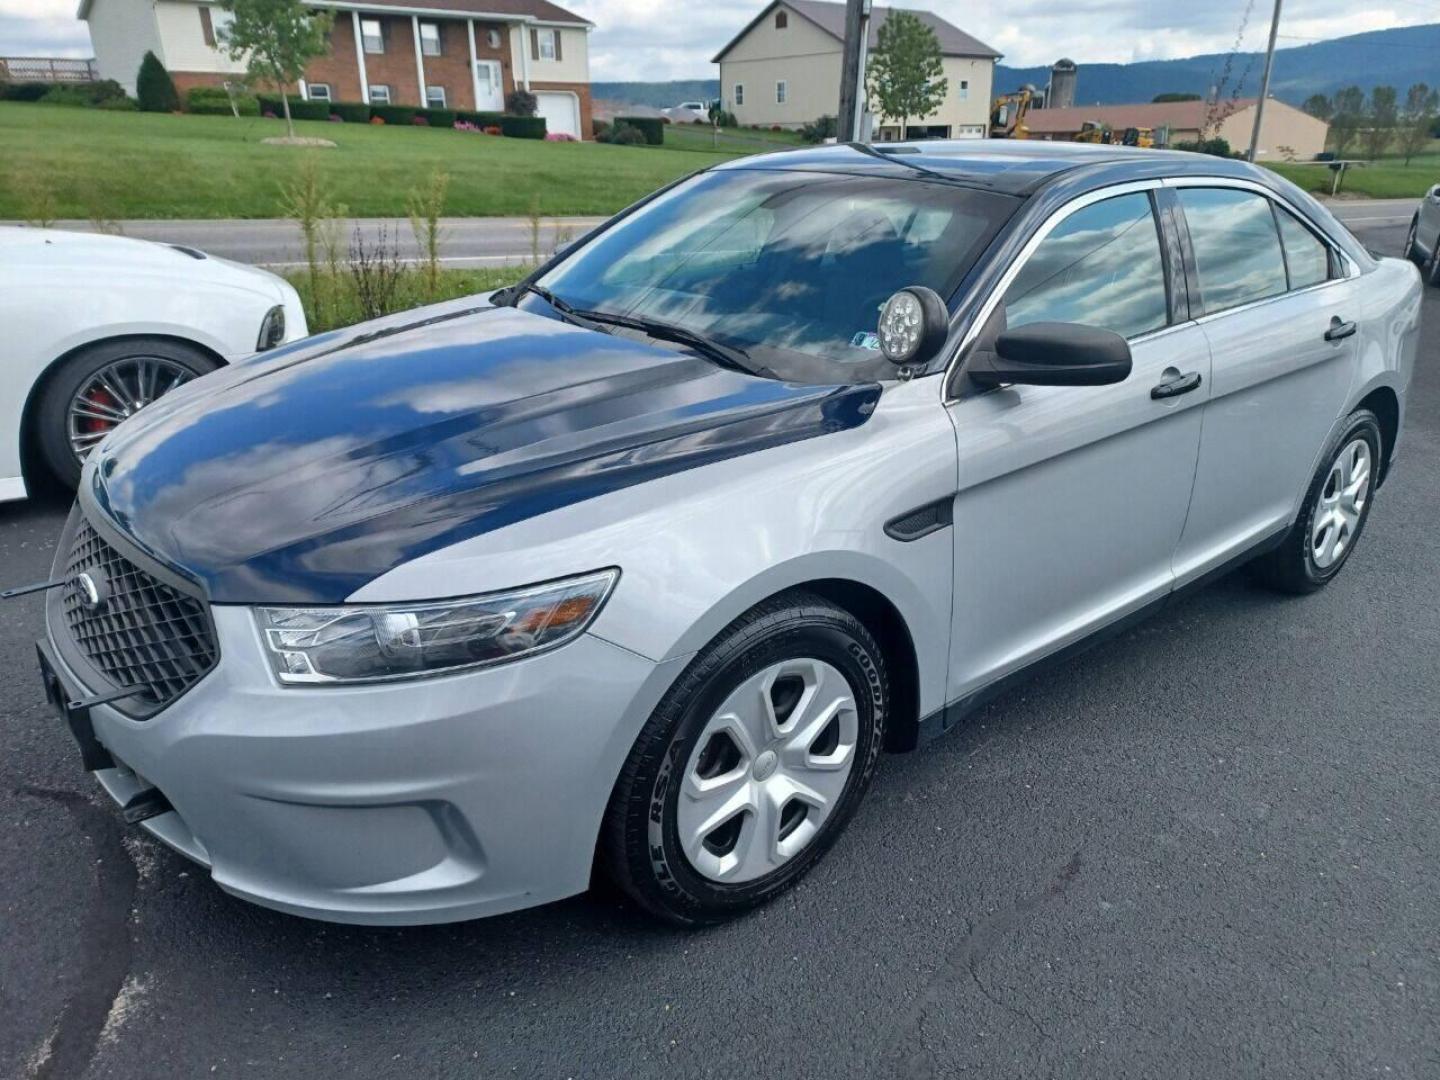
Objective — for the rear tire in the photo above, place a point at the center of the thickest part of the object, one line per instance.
(1412, 247)
(168, 361)
(764, 794)
(1332, 517)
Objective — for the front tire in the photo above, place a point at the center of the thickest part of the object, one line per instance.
(1337, 505)
(751, 765)
(1412, 246)
(102, 385)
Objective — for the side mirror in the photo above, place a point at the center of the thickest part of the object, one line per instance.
(1054, 354)
(914, 324)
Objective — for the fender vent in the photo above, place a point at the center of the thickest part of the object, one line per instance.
(921, 521)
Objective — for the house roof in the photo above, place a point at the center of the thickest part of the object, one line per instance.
(1184, 115)
(529, 10)
(830, 17)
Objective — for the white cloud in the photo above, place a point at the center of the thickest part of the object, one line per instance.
(652, 40)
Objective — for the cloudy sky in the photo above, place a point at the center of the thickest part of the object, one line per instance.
(674, 39)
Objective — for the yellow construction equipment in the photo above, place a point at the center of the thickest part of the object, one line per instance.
(1138, 136)
(1093, 131)
(1008, 112)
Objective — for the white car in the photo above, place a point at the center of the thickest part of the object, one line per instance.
(1422, 246)
(96, 327)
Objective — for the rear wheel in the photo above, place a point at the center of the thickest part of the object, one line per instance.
(102, 385)
(751, 765)
(1336, 507)
(1412, 248)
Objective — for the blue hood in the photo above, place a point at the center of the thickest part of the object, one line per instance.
(302, 475)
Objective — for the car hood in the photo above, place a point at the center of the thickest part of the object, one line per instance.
(303, 474)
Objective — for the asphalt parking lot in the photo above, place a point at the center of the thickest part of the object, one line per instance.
(1209, 848)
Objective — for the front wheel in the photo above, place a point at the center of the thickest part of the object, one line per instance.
(1337, 505)
(101, 386)
(751, 765)
(1412, 246)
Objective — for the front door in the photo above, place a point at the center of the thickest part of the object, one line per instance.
(1280, 318)
(1071, 500)
(489, 90)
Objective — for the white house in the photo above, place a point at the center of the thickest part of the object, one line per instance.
(784, 68)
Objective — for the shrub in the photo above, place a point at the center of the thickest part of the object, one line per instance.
(24, 91)
(776, 127)
(120, 104)
(67, 95)
(648, 126)
(1216, 147)
(481, 120)
(598, 128)
(154, 88)
(559, 136)
(523, 127)
(352, 112)
(419, 120)
(378, 120)
(300, 109)
(441, 117)
(214, 101)
(625, 135)
(493, 129)
(521, 103)
(106, 90)
(394, 114)
(817, 131)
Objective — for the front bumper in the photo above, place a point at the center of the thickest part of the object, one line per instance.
(431, 800)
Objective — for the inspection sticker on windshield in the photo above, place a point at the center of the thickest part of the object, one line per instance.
(865, 339)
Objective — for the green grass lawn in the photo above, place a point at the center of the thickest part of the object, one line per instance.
(1386, 178)
(59, 162)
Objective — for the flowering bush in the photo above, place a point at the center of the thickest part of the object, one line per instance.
(465, 125)
(493, 130)
(270, 115)
(336, 118)
(558, 136)
(420, 121)
(377, 119)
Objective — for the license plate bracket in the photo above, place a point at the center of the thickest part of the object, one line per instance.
(75, 711)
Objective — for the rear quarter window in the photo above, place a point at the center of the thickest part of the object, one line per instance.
(1238, 257)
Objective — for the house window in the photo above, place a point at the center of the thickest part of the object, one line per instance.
(318, 91)
(435, 97)
(780, 91)
(430, 38)
(379, 94)
(964, 89)
(372, 35)
(782, 20)
(549, 46)
(493, 37)
(739, 93)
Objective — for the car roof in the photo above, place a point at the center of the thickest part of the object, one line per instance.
(1012, 166)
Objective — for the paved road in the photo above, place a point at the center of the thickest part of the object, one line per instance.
(1208, 849)
(478, 242)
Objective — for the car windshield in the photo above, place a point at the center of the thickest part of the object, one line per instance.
(789, 269)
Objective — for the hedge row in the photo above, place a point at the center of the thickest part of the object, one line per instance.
(214, 101)
(356, 112)
(652, 127)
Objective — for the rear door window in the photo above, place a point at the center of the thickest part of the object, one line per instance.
(1101, 266)
(1238, 257)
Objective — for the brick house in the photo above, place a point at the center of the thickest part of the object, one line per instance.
(458, 54)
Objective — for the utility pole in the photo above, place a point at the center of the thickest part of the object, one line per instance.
(852, 70)
(1264, 83)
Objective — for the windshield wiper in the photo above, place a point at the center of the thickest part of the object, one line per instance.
(730, 356)
(568, 313)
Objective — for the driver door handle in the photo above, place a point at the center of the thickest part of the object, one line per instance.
(1175, 385)
(1339, 329)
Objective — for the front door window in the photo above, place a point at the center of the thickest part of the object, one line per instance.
(489, 93)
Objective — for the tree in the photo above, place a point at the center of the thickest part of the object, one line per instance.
(154, 88)
(276, 39)
(1347, 114)
(1318, 106)
(904, 77)
(1380, 122)
(1421, 105)
(1163, 99)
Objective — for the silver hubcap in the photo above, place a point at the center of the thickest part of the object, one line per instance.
(117, 392)
(1341, 502)
(768, 770)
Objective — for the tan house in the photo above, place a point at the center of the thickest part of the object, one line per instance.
(784, 68)
(458, 54)
(1285, 132)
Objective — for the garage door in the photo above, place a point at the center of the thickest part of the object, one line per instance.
(561, 111)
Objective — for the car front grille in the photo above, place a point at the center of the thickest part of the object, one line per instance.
(144, 633)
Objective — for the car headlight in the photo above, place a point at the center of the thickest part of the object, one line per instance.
(272, 330)
(372, 643)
